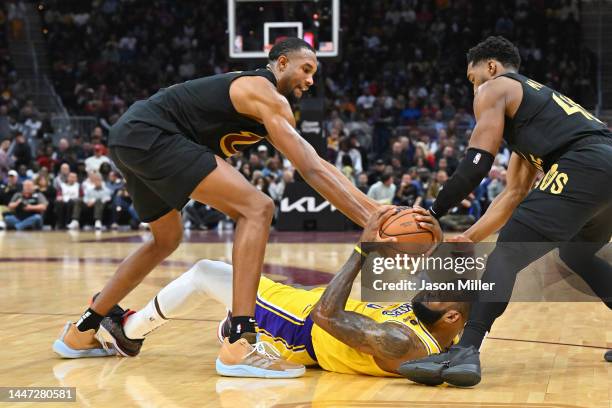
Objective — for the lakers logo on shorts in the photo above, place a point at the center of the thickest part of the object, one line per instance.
(230, 142)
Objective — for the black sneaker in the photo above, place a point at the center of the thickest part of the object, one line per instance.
(111, 331)
(225, 326)
(608, 356)
(115, 310)
(427, 370)
(463, 367)
(459, 366)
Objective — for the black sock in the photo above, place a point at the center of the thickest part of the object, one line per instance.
(241, 324)
(89, 320)
(473, 334)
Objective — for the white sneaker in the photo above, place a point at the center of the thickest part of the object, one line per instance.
(114, 226)
(98, 225)
(143, 226)
(74, 225)
(2, 225)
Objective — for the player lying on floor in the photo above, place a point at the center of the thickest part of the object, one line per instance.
(320, 326)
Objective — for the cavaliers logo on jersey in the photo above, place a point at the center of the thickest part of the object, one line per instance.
(230, 142)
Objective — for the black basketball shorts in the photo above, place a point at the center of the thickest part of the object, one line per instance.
(162, 177)
(574, 199)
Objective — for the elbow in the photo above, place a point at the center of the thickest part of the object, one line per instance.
(318, 316)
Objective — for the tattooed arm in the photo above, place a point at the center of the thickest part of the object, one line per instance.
(390, 343)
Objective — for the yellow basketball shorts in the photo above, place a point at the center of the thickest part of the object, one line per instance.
(283, 319)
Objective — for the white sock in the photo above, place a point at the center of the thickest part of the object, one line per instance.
(185, 293)
(143, 322)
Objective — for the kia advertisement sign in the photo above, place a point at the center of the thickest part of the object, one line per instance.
(305, 205)
(303, 209)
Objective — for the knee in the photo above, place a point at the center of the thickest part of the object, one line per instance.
(566, 256)
(206, 267)
(261, 209)
(206, 270)
(203, 267)
(573, 257)
(168, 242)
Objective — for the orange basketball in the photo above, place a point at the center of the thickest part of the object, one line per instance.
(406, 229)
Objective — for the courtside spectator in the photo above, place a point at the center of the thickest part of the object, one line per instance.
(98, 197)
(7, 191)
(68, 203)
(43, 186)
(26, 209)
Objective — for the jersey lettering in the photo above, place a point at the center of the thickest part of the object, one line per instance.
(398, 311)
(570, 107)
(554, 179)
(535, 85)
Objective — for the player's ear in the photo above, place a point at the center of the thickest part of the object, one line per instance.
(451, 316)
(282, 62)
(492, 66)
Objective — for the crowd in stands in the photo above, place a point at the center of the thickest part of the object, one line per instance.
(398, 104)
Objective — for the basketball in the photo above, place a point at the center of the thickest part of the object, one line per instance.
(406, 229)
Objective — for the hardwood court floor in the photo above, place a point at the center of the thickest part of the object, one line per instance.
(538, 355)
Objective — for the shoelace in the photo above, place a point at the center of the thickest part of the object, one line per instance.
(266, 349)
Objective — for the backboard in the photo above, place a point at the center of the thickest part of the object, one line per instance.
(254, 26)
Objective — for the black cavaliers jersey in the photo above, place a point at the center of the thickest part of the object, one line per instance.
(199, 109)
(547, 123)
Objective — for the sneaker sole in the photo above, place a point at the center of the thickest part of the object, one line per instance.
(239, 370)
(61, 349)
(462, 375)
(104, 336)
(423, 373)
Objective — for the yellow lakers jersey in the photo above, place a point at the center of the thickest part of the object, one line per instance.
(283, 319)
(333, 355)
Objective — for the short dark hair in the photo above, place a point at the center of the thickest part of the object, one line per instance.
(286, 46)
(385, 177)
(498, 48)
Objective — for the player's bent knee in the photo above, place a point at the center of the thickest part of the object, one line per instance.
(261, 209)
(203, 266)
(209, 267)
(168, 243)
(206, 270)
(268, 207)
(568, 257)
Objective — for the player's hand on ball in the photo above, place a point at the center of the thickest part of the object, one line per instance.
(371, 232)
(428, 222)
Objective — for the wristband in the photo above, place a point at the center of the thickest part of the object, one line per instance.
(360, 251)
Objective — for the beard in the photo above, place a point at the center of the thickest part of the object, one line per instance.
(292, 99)
(425, 314)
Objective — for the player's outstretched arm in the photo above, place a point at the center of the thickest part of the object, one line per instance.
(389, 342)
(489, 109)
(363, 199)
(519, 180)
(258, 98)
